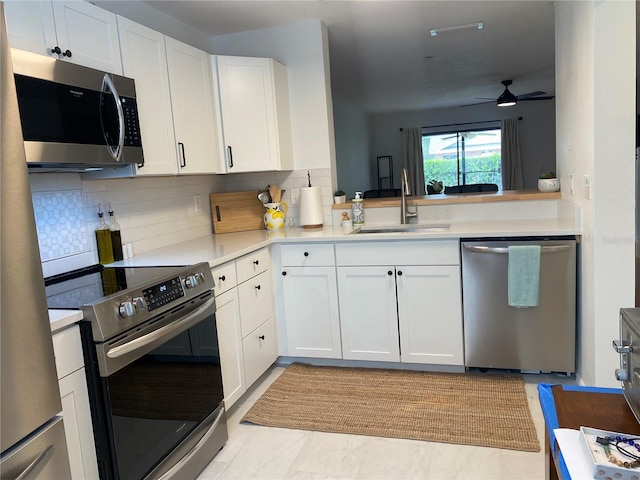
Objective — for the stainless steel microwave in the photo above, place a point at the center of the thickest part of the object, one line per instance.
(74, 117)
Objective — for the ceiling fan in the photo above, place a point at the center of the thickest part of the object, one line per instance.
(508, 99)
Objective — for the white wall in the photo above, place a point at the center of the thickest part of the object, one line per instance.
(595, 125)
(537, 133)
(354, 164)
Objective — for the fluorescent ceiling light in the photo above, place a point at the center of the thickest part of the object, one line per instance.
(477, 25)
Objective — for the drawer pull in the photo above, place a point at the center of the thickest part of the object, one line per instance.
(257, 287)
(256, 262)
(306, 254)
(261, 337)
(222, 278)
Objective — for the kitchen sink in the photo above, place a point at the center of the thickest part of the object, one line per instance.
(412, 228)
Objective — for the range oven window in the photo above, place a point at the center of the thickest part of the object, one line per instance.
(156, 401)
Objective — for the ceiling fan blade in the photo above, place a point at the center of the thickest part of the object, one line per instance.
(529, 95)
(479, 103)
(535, 98)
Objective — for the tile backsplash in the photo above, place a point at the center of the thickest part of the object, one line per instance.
(152, 212)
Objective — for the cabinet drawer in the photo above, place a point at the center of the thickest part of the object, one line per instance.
(308, 255)
(252, 264)
(256, 302)
(68, 351)
(420, 252)
(224, 277)
(260, 349)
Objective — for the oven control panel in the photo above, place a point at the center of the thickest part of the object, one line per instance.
(163, 293)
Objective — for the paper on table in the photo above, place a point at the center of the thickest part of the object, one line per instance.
(573, 454)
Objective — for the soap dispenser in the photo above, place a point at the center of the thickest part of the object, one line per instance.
(357, 210)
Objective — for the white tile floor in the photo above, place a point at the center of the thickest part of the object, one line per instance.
(256, 452)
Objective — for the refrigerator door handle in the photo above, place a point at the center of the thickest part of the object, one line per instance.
(501, 250)
(34, 468)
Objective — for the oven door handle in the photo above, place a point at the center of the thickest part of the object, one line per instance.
(194, 451)
(140, 342)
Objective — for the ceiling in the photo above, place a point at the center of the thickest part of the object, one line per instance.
(382, 56)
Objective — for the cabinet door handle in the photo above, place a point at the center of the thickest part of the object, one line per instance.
(56, 50)
(390, 272)
(399, 272)
(306, 254)
(183, 160)
(66, 53)
(284, 274)
(230, 156)
(222, 278)
(256, 262)
(257, 287)
(261, 337)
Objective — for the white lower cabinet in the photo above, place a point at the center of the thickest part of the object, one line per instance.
(244, 316)
(230, 341)
(401, 301)
(260, 349)
(310, 300)
(311, 309)
(368, 313)
(76, 412)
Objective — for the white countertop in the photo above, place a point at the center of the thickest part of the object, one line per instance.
(60, 319)
(221, 248)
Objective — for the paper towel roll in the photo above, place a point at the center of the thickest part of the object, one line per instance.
(311, 207)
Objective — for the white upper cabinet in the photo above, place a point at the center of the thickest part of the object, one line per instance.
(83, 33)
(192, 102)
(254, 105)
(144, 59)
(174, 92)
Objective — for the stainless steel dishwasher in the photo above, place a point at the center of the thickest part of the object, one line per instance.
(496, 335)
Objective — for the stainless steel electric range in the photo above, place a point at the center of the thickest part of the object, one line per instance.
(152, 364)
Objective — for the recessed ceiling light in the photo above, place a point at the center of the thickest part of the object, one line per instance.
(477, 25)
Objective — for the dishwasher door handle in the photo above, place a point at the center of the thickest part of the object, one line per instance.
(543, 249)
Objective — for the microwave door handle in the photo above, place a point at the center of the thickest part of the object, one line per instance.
(107, 82)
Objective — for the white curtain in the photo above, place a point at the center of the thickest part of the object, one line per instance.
(512, 174)
(413, 160)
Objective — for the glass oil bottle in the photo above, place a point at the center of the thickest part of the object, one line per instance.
(103, 239)
(116, 237)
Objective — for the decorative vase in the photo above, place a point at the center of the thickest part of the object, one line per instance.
(340, 199)
(548, 184)
(274, 216)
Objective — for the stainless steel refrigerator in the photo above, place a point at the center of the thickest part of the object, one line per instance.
(32, 434)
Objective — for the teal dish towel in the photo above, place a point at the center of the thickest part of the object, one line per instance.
(524, 275)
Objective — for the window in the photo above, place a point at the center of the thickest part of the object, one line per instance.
(463, 157)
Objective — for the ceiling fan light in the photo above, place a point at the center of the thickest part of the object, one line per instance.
(507, 99)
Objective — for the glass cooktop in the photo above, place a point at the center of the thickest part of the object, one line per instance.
(89, 285)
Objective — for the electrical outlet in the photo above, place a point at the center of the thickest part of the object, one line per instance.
(295, 195)
(587, 186)
(572, 183)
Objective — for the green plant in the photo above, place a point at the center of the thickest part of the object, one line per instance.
(548, 175)
(338, 193)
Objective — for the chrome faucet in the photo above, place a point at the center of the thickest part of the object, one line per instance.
(405, 214)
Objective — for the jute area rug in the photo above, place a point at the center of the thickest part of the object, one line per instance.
(488, 410)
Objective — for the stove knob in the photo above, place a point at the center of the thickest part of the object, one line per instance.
(131, 307)
(138, 303)
(127, 309)
(194, 280)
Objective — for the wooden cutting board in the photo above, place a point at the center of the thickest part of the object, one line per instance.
(236, 212)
